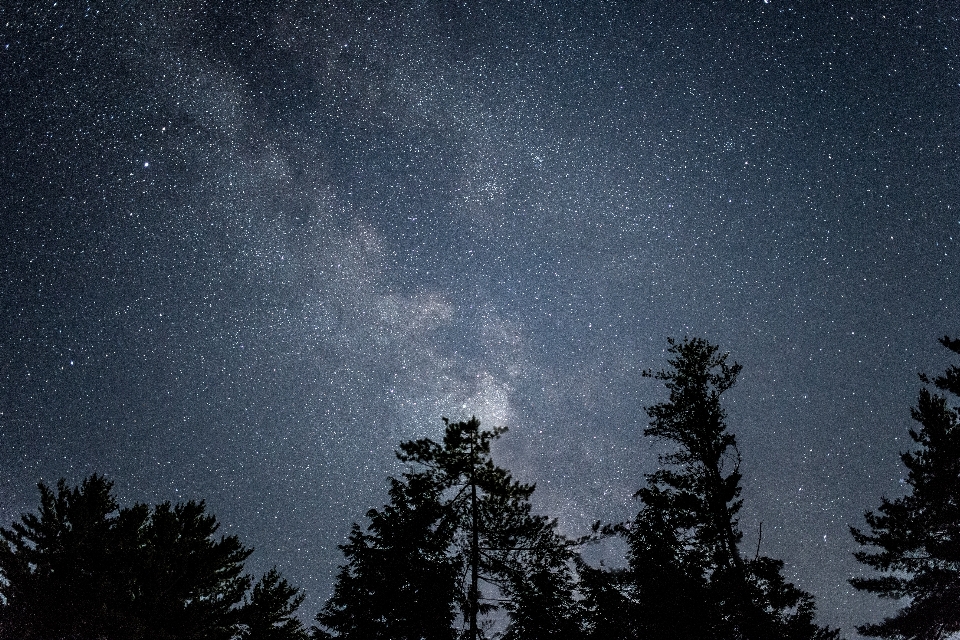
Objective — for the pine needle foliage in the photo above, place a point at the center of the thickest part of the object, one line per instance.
(913, 542)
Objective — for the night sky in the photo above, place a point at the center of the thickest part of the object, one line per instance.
(247, 250)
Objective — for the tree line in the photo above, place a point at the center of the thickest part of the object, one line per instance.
(457, 553)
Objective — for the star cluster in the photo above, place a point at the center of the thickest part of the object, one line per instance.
(249, 248)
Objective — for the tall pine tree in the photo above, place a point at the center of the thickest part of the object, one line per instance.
(684, 544)
(457, 542)
(499, 540)
(914, 541)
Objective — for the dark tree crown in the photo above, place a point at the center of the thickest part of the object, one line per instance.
(913, 542)
(85, 567)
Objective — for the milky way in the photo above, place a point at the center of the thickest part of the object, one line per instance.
(248, 250)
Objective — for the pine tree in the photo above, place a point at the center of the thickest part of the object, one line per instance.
(399, 581)
(268, 614)
(670, 596)
(455, 520)
(86, 568)
(685, 540)
(539, 585)
(914, 541)
(189, 583)
(498, 537)
(607, 611)
(59, 576)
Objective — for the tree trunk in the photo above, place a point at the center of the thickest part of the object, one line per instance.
(474, 544)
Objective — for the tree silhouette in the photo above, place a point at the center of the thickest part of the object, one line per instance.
(455, 520)
(59, 577)
(499, 539)
(607, 607)
(671, 595)
(268, 614)
(538, 583)
(188, 583)
(399, 581)
(86, 568)
(914, 541)
(684, 553)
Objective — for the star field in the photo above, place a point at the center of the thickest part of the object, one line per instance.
(247, 250)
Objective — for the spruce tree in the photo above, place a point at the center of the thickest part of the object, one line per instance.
(189, 583)
(59, 575)
(914, 541)
(268, 613)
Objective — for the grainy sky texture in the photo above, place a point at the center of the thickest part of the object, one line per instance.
(247, 248)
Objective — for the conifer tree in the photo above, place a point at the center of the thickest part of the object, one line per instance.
(606, 607)
(188, 582)
(684, 553)
(914, 541)
(268, 614)
(399, 582)
(59, 577)
(86, 568)
(671, 597)
(457, 541)
(538, 585)
(498, 538)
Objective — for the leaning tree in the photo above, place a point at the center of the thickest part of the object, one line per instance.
(688, 577)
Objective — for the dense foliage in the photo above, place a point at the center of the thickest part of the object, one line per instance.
(83, 567)
(686, 577)
(458, 553)
(914, 541)
(399, 581)
(455, 520)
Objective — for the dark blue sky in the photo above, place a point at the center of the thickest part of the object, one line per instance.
(247, 250)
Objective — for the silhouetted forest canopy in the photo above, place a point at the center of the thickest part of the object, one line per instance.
(85, 568)
(457, 552)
